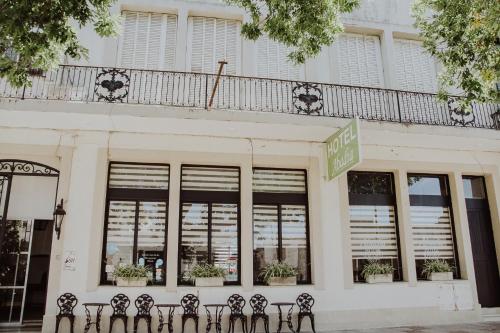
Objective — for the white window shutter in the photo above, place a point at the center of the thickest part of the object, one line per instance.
(214, 40)
(148, 40)
(273, 62)
(415, 69)
(357, 60)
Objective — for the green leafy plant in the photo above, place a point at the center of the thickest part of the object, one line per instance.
(206, 270)
(436, 266)
(374, 267)
(277, 269)
(131, 272)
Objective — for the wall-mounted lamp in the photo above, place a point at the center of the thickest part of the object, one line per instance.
(59, 214)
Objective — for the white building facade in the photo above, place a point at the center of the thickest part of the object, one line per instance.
(157, 165)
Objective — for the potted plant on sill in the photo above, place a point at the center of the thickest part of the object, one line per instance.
(131, 276)
(279, 274)
(207, 275)
(437, 270)
(377, 272)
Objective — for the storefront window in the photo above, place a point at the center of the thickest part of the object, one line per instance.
(431, 221)
(280, 221)
(373, 221)
(210, 199)
(135, 231)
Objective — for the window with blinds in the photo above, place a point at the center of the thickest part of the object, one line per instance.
(280, 221)
(210, 198)
(357, 60)
(148, 40)
(373, 221)
(213, 40)
(431, 220)
(415, 68)
(273, 62)
(136, 219)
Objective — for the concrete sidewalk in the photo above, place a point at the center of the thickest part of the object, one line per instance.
(488, 327)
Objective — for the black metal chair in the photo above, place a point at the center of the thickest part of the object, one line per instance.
(66, 303)
(236, 303)
(258, 303)
(120, 304)
(143, 303)
(190, 305)
(305, 303)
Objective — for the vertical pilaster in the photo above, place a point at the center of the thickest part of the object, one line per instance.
(404, 224)
(387, 49)
(246, 232)
(182, 32)
(173, 225)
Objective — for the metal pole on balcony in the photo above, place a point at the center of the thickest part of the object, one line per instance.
(399, 107)
(221, 67)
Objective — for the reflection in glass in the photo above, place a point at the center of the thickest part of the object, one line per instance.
(422, 185)
(194, 242)
(294, 238)
(120, 235)
(474, 188)
(151, 238)
(265, 236)
(225, 239)
(10, 305)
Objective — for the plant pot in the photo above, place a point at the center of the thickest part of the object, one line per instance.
(441, 276)
(209, 282)
(282, 281)
(379, 278)
(134, 282)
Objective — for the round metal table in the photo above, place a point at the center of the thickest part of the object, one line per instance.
(99, 307)
(288, 320)
(170, 318)
(219, 309)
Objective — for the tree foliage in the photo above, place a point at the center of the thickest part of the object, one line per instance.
(35, 34)
(304, 25)
(464, 36)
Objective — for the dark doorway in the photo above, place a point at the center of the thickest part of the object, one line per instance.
(38, 273)
(483, 243)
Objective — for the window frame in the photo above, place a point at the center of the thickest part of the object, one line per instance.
(278, 200)
(134, 195)
(436, 201)
(380, 199)
(209, 198)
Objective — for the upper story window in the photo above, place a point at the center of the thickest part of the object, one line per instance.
(357, 60)
(415, 68)
(272, 61)
(148, 40)
(135, 229)
(210, 220)
(373, 221)
(212, 40)
(431, 220)
(280, 221)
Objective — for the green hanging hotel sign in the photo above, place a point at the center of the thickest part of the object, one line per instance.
(343, 150)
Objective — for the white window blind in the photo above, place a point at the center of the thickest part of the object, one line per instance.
(279, 181)
(139, 176)
(200, 178)
(415, 69)
(148, 40)
(273, 62)
(213, 40)
(357, 60)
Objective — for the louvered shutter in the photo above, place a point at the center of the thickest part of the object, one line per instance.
(415, 69)
(273, 62)
(148, 40)
(213, 40)
(357, 60)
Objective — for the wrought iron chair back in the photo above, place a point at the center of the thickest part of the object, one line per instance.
(190, 304)
(236, 303)
(305, 303)
(144, 303)
(258, 303)
(66, 303)
(120, 304)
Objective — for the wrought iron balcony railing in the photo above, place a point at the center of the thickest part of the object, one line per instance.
(193, 90)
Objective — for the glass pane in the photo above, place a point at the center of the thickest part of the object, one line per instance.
(294, 239)
(474, 188)
(194, 242)
(265, 237)
(14, 254)
(120, 235)
(151, 238)
(370, 183)
(421, 185)
(10, 305)
(225, 239)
